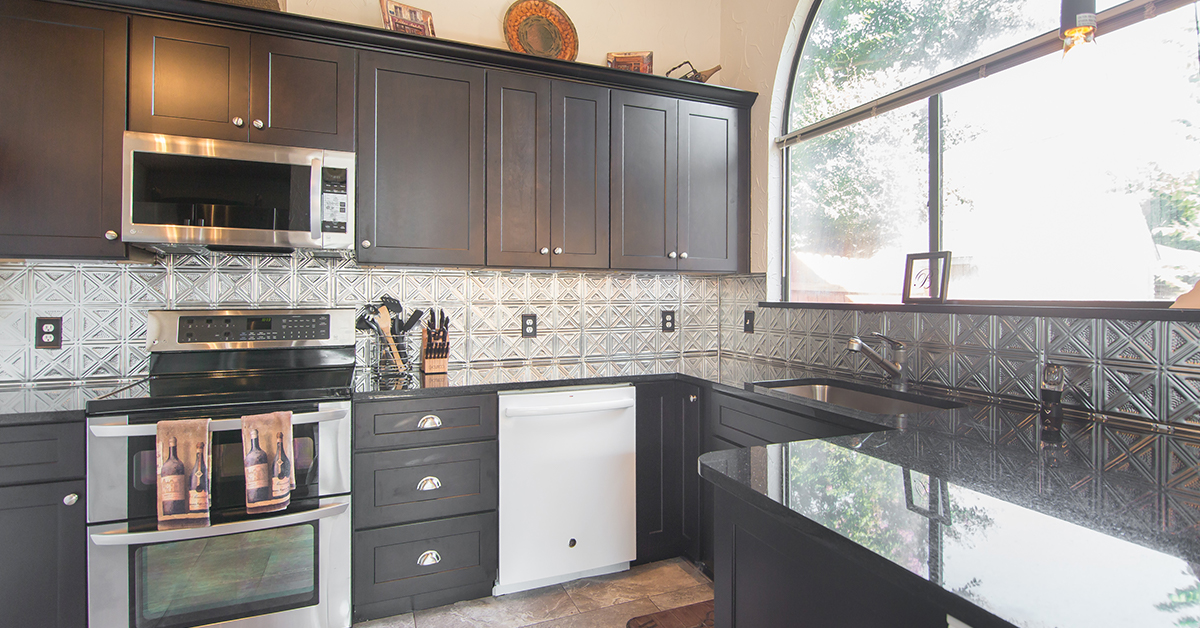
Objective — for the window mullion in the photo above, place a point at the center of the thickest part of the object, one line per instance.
(935, 173)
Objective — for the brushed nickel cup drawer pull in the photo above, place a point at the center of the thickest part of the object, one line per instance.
(429, 483)
(429, 422)
(429, 558)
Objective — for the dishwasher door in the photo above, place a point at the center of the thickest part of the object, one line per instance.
(567, 485)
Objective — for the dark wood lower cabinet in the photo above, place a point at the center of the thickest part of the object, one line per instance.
(43, 555)
(668, 490)
(769, 574)
(403, 568)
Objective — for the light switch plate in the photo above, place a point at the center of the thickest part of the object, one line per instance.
(47, 333)
(668, 320)
(529, 325)
(748, 322)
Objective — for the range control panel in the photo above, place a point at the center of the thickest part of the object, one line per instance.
(253, 328)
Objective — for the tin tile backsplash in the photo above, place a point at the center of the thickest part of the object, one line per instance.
(1146, 370)
(595, 324)
(590, 324)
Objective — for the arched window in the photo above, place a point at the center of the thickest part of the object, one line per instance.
(959, 125)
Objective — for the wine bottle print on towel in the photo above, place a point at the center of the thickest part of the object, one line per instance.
(267, 446)
(182, 491)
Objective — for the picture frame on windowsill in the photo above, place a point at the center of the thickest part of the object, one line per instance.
(926, 277)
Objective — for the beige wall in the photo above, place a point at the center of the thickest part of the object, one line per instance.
(674, 30)
(747, 37)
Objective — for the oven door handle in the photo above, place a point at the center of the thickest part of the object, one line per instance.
(221, 529)
(120, 430)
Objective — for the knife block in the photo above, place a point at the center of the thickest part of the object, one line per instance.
(433, 370)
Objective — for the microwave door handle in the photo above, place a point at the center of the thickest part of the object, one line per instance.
(314, 211)
(121, 430)
(220, 529)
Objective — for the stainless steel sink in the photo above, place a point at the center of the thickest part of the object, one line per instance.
(854, 397)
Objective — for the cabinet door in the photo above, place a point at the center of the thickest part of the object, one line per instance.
(659, 472)
(708, 187)
(302, 93)
(518, 170)
(62, 69)
(691, 411)
(186, 79)
(645, 175)
(579, 182)
(43, 574)
(420, 161)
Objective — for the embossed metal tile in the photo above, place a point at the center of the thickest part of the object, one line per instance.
(1072, 338)
(1017, 333)
(1183, 345)
(1130, 391)
(935, 329)
(974, 330)
(1182, 398)
(1017, 375)
(1131, 341)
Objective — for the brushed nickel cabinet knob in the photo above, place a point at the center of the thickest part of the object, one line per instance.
(71, 499)
(258, 124)
(110, 235)
(238, 122)
(544, 250)
(366, 244)
(683, 255)
(672, 255)
(558, 250)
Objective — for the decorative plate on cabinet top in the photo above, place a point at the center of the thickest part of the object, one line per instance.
(540, 28)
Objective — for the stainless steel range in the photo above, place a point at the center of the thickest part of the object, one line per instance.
(285, 569)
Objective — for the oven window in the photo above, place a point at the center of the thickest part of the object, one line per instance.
(201, 581)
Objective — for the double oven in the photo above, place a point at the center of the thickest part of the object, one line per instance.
(284, 569)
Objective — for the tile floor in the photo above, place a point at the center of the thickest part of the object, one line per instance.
(600, 602)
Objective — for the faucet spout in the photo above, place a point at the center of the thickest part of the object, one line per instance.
(893, 370)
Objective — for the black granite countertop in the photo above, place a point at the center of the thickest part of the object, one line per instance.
(50, 402)
(1100, 530)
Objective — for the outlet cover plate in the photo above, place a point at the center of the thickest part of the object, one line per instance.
(668, 320)
(47, 332)
(748, 322)
(529, 325)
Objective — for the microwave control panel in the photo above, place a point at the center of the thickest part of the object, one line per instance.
(253, 328)
(334, 200)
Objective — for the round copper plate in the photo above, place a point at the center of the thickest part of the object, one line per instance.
(540, 28)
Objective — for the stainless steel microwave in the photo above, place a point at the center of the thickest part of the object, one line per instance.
(181, 194)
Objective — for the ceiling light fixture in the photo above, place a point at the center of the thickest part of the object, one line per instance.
(1078, 23)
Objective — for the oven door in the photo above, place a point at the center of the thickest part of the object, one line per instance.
(289, 570)
(121, 463)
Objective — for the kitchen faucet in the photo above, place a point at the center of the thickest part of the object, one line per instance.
(894, 370)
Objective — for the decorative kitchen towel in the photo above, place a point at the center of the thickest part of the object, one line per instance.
(182, 490)
(267, 447)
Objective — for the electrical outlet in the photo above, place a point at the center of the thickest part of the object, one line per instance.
(748, 322)
(668, 320)
(529, 325)
(47, 333)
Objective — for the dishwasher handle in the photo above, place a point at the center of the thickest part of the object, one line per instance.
(574, 408)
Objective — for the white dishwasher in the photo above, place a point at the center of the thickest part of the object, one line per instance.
(567, 485)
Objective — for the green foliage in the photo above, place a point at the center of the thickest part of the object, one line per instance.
(1174, 202)
(1181, 599)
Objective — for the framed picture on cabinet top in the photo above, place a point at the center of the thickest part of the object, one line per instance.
(402, 18)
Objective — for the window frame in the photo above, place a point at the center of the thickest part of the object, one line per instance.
(931, 89)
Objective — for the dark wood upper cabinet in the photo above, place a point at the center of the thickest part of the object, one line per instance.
(547, 173)
(420, 161)
(202, 81)
(678, 185)
(518, 170)
(62, 69)
(302, 92)
(579, 182)
(708, 187)
(186, 79)
(645, 173)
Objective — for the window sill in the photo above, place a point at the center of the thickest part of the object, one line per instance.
(1150, 311)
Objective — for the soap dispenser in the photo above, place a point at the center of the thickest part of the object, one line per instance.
(1053, 381)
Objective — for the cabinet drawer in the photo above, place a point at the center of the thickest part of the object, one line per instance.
(40, 453)
(389, 576)
(413, 422)
(424, 483)
(747, 423)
